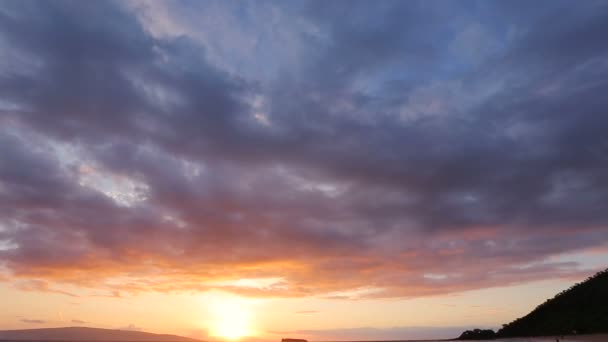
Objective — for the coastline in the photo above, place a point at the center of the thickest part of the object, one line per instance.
(565, 338)
(570, 338)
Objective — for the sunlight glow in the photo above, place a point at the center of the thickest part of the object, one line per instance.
(230, 316)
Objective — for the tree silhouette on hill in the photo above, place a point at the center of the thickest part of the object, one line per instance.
(581, 309)
(477, 334)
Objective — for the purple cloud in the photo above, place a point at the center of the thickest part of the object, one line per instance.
(381, 163)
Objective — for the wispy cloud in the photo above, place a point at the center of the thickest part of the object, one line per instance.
(130, 327)
(33, 321)
(40, 286)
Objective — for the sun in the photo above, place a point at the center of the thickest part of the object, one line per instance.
(230, 317)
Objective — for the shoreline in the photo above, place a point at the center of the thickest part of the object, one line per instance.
(570, 338)
(560, 338)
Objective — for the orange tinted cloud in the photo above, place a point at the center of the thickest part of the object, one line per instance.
(136, 162)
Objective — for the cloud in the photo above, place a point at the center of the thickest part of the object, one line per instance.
(77, 321)
(131, 327)
(40, 286)
(389, 163)
(307, 312)
(33, 321)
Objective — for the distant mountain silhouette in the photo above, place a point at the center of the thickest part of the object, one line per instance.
(87, 334)
(582, 309)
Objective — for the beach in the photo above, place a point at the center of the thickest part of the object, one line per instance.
(577, 338)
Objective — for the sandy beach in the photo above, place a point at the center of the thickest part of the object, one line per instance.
(580, 338)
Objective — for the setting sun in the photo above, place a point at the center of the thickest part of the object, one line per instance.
(231, 317)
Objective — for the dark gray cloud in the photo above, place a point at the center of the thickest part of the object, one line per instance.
(412, 148)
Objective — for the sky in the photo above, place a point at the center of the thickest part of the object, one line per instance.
(316, 169)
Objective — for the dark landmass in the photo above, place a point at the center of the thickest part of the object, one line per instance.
(582, 309)
(477, 334)
(87, 334)
(293, 340)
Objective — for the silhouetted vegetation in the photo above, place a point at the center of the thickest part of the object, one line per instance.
(477, 334)
(582, 309)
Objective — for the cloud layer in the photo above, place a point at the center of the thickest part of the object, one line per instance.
(342, 149)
